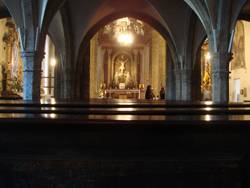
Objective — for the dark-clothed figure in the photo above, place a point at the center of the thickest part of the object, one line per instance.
(149, 93)
(162, 93)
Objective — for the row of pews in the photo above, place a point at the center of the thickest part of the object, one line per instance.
(124, 143)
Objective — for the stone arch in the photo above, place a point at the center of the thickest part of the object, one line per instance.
(189, 41)
(51, 8)
(202, 11)
(141, 16)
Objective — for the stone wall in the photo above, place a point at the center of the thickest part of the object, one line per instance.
(242, 73)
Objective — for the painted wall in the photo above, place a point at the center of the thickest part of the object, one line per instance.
(242, 73)
(3, 49)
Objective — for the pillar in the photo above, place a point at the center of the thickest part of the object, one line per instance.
(103, 64)
(142, 67)
(68, 81)
(135, 68)
(109, 67)
(178, 84)
(77, 84)
(220, 76)
(154, 62)
(93, 67)
(162, 63)
(32, 74)
(146, 65)
(186, 79)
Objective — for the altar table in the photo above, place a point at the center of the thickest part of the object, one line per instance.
(123, 93)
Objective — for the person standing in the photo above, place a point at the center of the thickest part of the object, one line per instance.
(149, 94)
(162, 93)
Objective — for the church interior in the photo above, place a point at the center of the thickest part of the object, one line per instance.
(73, 82)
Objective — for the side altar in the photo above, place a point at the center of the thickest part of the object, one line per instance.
(123, 93)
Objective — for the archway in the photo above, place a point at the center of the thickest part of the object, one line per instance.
(163, 33)
(146, 58)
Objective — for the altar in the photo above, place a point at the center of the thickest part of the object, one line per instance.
(123, 93)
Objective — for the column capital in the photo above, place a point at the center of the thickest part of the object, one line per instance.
(220, 62)
(32, 60)
(135, 51)
(186, 71)
(186, 75)
(37, 54)
(109, 51)
(221, 56)
(32, 70)
(142, 52)
(104, 51)
(69, 71)
(177, 71)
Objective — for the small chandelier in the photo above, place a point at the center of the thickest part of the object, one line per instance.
(125, 40)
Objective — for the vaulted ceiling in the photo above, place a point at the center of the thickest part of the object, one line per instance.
(86, 17)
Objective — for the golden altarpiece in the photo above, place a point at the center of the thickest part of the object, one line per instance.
(206, 68)
(124, 44)
(12, 82)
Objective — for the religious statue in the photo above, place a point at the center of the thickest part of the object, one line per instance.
(206, 78)
(100, 93)
(128, 78)
(116, 78)
(122, 67)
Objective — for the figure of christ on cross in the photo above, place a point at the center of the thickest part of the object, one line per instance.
(122, 67)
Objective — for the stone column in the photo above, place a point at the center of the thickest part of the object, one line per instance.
(109, 66)
(103, 64)
(93, 67)
(220, 76)
(132, 70)
(178, 84)
(142, 67)
(135, 68)
(77, 84)
(112, 71)
(186, 84)
(32, 74)
(154, 62)
(146, 70)
(162, 63)
(68, 81)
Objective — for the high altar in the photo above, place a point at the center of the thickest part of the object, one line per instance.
(124, 67)
(123, 93)
(122, 63)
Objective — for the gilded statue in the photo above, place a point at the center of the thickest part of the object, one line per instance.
(206, 78)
